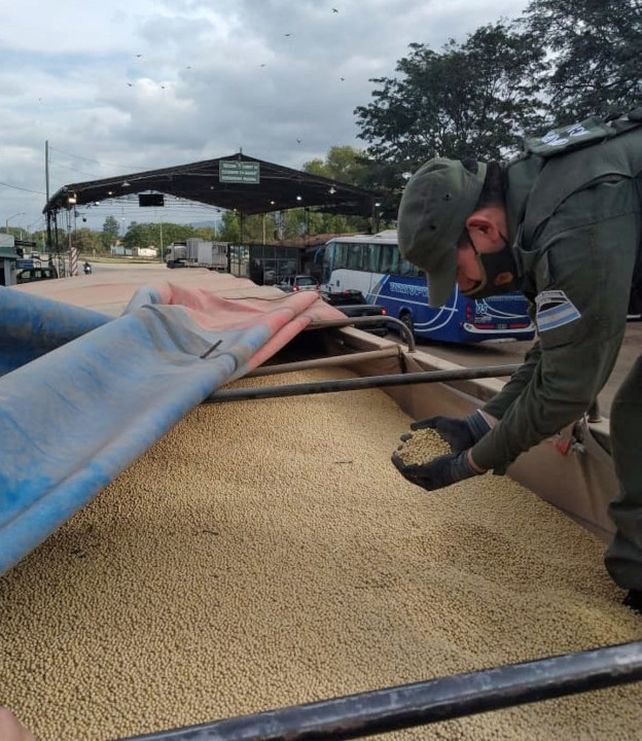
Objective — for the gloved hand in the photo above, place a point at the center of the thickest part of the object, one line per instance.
(633, 600)
(437, 473)
(459, 433)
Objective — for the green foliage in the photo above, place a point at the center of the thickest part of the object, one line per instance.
(111, 229)
(596, 46)
(474, 99)
(86, 240)
(149, 235)
(231, 227)
(346, 165)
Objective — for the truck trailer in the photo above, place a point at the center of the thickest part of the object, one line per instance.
(198, 253)
(263, 572)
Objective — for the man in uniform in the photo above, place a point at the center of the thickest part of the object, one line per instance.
(562, 223)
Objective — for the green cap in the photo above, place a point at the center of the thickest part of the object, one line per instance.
(434, 207)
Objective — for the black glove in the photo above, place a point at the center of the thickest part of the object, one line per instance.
(437, 473)
(459, 433)
(633, 600)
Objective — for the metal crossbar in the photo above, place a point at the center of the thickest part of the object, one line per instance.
(445, 698)
(365, 382)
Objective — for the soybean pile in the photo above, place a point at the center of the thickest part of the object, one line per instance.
(422, 445)
(266, 553)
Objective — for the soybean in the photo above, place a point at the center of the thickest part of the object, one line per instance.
(422, 446)
(266, 553)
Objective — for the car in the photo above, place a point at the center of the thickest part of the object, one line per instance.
(352, 303)
(298, 283)
(29, 275)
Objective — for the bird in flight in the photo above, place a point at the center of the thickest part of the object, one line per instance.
(188, 67)
(342, 79)
(138, 56)
(298, 141)
(262, 65)
(334, 10)
(287, 34)
(130, 84)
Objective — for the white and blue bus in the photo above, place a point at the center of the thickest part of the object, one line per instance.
(372, 264)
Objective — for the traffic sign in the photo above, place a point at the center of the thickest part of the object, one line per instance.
(238, 171)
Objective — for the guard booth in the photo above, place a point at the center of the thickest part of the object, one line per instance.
(9, 256)
(264, 264)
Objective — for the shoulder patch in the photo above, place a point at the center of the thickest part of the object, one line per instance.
(554, 309)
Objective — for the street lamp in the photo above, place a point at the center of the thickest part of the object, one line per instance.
(6, 223)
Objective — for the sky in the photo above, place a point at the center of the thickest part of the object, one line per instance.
(126, 85)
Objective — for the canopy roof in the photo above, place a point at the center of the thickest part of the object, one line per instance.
(279, 188)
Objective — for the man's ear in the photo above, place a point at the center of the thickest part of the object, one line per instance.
(487, 222)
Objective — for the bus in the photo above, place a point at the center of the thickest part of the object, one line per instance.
(372, 264)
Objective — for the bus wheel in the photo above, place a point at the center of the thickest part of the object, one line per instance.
(406, 318)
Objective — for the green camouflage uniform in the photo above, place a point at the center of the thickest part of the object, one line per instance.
(575, 224)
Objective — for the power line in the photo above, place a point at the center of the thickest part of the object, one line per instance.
(89, 159)
(74, 169)
(27, 190)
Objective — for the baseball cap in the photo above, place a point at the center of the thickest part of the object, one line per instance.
(434, 207)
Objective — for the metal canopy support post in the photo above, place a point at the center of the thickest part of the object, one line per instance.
(409, 705)
(357, 384)
(359, 321)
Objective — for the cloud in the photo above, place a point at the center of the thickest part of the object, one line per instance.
(129, 85)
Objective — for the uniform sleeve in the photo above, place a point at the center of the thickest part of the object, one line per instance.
(501, 402)
(583, 276)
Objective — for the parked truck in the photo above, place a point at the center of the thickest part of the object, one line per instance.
(197, 253)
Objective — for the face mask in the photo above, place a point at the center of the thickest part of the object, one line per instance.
(492, 265)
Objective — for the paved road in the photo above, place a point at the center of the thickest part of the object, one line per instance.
(513, 352)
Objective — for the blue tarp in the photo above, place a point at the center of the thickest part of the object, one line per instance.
(82, 395)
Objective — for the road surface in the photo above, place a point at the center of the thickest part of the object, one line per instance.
(513, 352)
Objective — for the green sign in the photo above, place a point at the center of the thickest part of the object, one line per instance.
(238, 171)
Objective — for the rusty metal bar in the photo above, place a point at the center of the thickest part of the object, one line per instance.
(347, 359)
(359, 321)
(409, 705)
(357, 384)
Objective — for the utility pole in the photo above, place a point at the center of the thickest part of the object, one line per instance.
(47, 168)
(49, 250)
(160, 224)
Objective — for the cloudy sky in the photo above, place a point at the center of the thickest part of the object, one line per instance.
(127, 85)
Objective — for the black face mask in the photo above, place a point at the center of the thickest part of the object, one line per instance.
(492, 265)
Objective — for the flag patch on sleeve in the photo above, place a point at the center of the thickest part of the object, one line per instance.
(554, 309)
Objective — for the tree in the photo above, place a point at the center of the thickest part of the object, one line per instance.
(253, 227)
(596, 48)
(476, 100)
(149, 234)
(343, 163)
(111, 229)
(347, 165)
(85, 240)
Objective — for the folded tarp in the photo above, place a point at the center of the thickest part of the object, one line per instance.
(83, 394)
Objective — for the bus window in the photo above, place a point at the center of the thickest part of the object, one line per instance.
(407, 269)
(355, 254)
(328, 261)
(340, 255)
(371, 257)
(389, 259)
